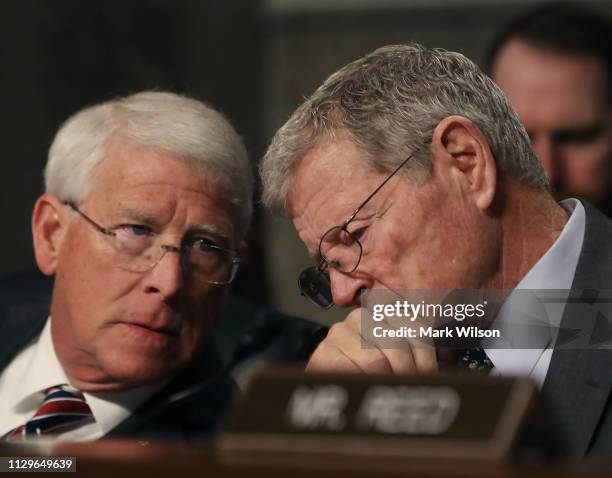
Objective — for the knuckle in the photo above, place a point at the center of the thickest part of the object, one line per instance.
(376, 364)
(336, 331)
(354, 322)
(402, 361)
(354, 316)
(342, 363)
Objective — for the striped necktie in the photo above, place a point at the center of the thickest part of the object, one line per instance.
(62, 409)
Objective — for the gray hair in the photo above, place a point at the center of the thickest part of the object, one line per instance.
(164, 122)
(389, 103)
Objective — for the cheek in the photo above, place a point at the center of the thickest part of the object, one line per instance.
(96, 282)
(84, 257)
(437, 253)
(587, 157)
(588, 169)
(392, 258)
(89, 282)
(200, 310)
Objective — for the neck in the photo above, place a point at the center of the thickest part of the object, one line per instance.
(531, 221)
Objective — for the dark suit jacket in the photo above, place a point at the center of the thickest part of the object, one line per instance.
(579, 382)
(193, 418)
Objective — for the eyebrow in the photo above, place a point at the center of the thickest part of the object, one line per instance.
(368, 213)
(213, 230)
(139, 216)
(580, 134)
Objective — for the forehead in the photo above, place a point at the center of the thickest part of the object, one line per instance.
(157, 183)
(329, 182)
(545, 84)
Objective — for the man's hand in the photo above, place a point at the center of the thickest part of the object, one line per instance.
(342, 351)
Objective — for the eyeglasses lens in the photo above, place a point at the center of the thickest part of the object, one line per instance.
(314, 283)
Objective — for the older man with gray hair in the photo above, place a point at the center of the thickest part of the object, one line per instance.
(408, 169)
(147, 201)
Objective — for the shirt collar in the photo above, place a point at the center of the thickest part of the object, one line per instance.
(554, 270)
(45, 370)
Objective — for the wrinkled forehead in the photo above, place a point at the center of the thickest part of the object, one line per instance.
(157, 183)
(126, 162)
(329, 182)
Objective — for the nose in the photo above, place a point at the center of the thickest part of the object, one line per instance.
(346, 288)
(166, 275)
(548, 152)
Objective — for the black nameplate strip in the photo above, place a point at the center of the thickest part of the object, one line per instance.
(464, 416)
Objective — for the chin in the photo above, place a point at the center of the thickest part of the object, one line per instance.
(133, 370)
(142, 376)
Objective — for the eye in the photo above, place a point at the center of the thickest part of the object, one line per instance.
(137, 230)
(579, 136)
(204, 245)
(358, 233)
(133, 238)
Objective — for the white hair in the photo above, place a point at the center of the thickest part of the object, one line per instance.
(389, 102)
(162, 121)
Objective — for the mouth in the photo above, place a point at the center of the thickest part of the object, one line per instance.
(152, 328)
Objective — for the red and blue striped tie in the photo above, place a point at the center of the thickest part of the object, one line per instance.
(63, 408)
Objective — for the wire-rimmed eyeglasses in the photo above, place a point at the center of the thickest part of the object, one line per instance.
(138, 249)
(339, 249)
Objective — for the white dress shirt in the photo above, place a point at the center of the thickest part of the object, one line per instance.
(36, 368)
(554, 270)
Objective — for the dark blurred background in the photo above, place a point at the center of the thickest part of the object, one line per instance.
(252, 59)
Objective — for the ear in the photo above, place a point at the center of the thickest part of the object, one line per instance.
(49, 223)
(461, 151)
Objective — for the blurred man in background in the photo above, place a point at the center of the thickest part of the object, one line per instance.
(147, 199)
(554, 64)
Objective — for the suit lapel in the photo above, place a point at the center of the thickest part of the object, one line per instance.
(195, 417)
(578, 382)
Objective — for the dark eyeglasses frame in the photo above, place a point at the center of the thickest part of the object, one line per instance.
(314, 272)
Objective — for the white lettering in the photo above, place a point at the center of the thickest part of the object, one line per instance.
(318, 408)
(417, 410)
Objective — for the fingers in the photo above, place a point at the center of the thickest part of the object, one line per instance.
(345, 350)
(420, 359)
(342, 351)
(328, 358)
